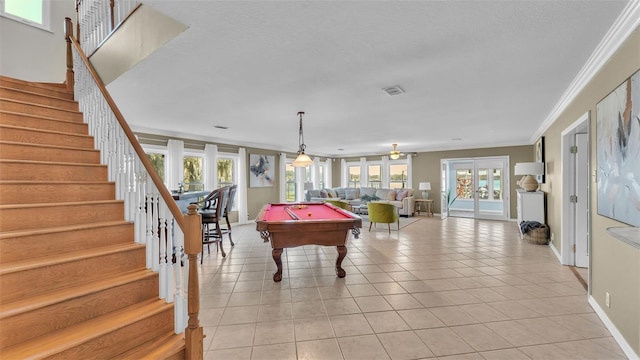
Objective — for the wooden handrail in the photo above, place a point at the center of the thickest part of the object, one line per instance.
(190, 224)
(164, 192)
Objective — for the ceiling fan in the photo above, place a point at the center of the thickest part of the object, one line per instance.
(395, 153)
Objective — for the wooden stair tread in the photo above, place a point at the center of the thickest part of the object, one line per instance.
(51, 132)
(28, 264)
(47, 182)
(2, 111)
(35, 162)
(47, 145)
(48, 230)
(61, 203)
(4, 86)
(39, 105)
(75, 335)
(36, 302)
(156, 349)
(42, 85)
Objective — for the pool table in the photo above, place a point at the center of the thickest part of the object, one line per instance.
(291, 225)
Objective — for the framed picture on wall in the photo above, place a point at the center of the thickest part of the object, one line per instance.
(261, 168)
(618, 152)
(539, 157)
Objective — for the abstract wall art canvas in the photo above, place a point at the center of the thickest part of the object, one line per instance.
(261, 169)
(618, 152)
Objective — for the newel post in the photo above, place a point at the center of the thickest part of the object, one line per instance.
(193, 244)
(68, 32)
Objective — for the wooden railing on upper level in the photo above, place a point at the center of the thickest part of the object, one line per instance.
(158, 221)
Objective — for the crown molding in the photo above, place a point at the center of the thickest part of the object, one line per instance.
(626, 23)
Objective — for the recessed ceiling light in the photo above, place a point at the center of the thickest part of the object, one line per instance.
(393, 90)
(220, 127)
(341, 149)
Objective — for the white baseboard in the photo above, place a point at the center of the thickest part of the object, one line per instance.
(555, 252)
(626, 348)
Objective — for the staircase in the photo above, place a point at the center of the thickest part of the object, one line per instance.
(73, 283)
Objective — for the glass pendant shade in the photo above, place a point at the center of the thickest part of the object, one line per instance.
(302, 160)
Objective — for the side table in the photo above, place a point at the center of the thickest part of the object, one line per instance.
(428, 206)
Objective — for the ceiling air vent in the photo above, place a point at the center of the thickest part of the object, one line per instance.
(393, 90)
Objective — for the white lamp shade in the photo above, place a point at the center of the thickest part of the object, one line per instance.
(529, 168)
(424, 186)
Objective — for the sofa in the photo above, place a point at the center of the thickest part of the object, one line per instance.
(402, 199)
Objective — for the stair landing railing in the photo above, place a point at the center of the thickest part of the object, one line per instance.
(158, 221)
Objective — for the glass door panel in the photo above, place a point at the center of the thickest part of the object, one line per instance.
(489, 190)
(476, 188)
(462, 203)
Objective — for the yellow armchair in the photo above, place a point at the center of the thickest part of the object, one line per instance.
(339, 203)
(383, 213)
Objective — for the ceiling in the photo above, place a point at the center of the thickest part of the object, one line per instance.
(474, 73)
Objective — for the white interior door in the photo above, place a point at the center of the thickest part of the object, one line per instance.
(582, 201)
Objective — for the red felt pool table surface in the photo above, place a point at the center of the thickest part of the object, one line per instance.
(278, 212)
(291, 225)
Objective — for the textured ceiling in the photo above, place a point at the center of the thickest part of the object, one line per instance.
(485, 73)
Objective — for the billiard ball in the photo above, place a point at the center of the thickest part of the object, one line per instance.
(309, 213)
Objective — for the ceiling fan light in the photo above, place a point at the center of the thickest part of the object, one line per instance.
(394, 154)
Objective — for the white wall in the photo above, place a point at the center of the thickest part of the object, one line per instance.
(33, 54)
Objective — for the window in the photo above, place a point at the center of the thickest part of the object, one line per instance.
(354, 176)
(226, 171)
(290, 178)
(374, 179)
(157, 160)
(32, 12)
(321, 176)
(397, 176)
(193, 180)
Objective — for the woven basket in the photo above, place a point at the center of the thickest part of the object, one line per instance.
(539, 236)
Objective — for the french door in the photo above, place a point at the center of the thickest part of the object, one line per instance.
(477, 187)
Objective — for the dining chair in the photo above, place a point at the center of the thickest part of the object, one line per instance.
(212, 212)
(227, 210)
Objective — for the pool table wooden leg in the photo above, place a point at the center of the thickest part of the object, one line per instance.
(342, 252)
(277, 253)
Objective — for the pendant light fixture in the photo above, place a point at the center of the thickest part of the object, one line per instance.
(303, 159)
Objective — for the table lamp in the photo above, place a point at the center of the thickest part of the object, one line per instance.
(425, 187)
(529, 169)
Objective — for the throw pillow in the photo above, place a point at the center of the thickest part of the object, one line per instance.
(350, 194)
(401, 194)
(340, 193)
(324, 194)
(392, 195)
(331, 193)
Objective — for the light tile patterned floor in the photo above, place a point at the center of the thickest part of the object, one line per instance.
(445, 289)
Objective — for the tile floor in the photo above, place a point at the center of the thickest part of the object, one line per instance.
(437, 289)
